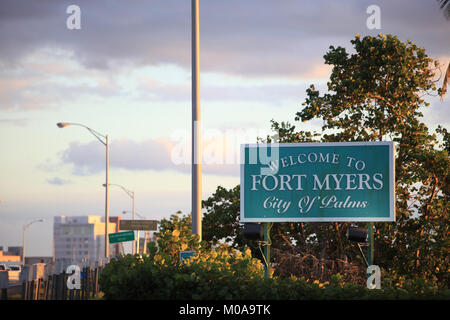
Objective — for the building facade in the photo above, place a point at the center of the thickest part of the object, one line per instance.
(81, 239)
(9, 257)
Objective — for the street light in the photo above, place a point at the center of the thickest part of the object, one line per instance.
(105, 141)
(23, 237)
(131, 195)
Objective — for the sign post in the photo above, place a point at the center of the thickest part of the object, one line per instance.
(371, 249)
(318, 182)
(267, 270)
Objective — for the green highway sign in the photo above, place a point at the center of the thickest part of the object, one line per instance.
(307, 182)
(121, 236)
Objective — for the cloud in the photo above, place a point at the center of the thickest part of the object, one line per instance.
(270, 93)
(251, 38)
(221, 153)
(58, 181)
(14, 122)
(43, 64)
(47, 79)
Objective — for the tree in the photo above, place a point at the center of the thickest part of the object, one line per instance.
(221, 220)
(377, 93)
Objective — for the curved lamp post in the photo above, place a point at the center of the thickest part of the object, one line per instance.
(105, 141)
(23, 237)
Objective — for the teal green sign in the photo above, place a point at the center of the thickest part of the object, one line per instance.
(307, 182)
(121, 236)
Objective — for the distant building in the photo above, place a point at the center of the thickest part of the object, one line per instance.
(7, 257)
(79, 239)
(16, 251)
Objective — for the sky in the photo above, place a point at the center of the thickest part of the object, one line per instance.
(127, 73)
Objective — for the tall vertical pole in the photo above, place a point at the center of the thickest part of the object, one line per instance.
(144, 250)
(370, 227)
(23, 246)
(53, 249)
(371, 244)
(266, 251)
(107, 200)
(134, 243)
(196, 129)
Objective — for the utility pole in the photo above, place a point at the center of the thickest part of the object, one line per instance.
(107, 199)
(196, 128)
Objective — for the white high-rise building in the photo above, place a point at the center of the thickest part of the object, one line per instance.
(79, 239)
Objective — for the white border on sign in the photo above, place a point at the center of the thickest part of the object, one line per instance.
(391, 217)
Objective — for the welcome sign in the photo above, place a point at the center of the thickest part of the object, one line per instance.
(307, 182)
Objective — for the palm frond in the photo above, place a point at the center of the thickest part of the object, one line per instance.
(445, 6)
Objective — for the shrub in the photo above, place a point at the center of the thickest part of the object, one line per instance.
(224, 273)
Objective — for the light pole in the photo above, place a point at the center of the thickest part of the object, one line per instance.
(23, 238)
(105, 142)
(131, 195)
(196, 131)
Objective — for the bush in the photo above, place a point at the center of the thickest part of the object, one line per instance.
(218, 274)
(223, 273)
(222, 276)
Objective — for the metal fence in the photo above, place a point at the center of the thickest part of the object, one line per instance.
(49, 282)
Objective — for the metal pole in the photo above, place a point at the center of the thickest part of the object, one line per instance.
(135, 245)
(370, 226)
(266, 251)
(144, 250)
(196, 132)
(107, 200)
(371, 243)
(23, 246)
(137, 242)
